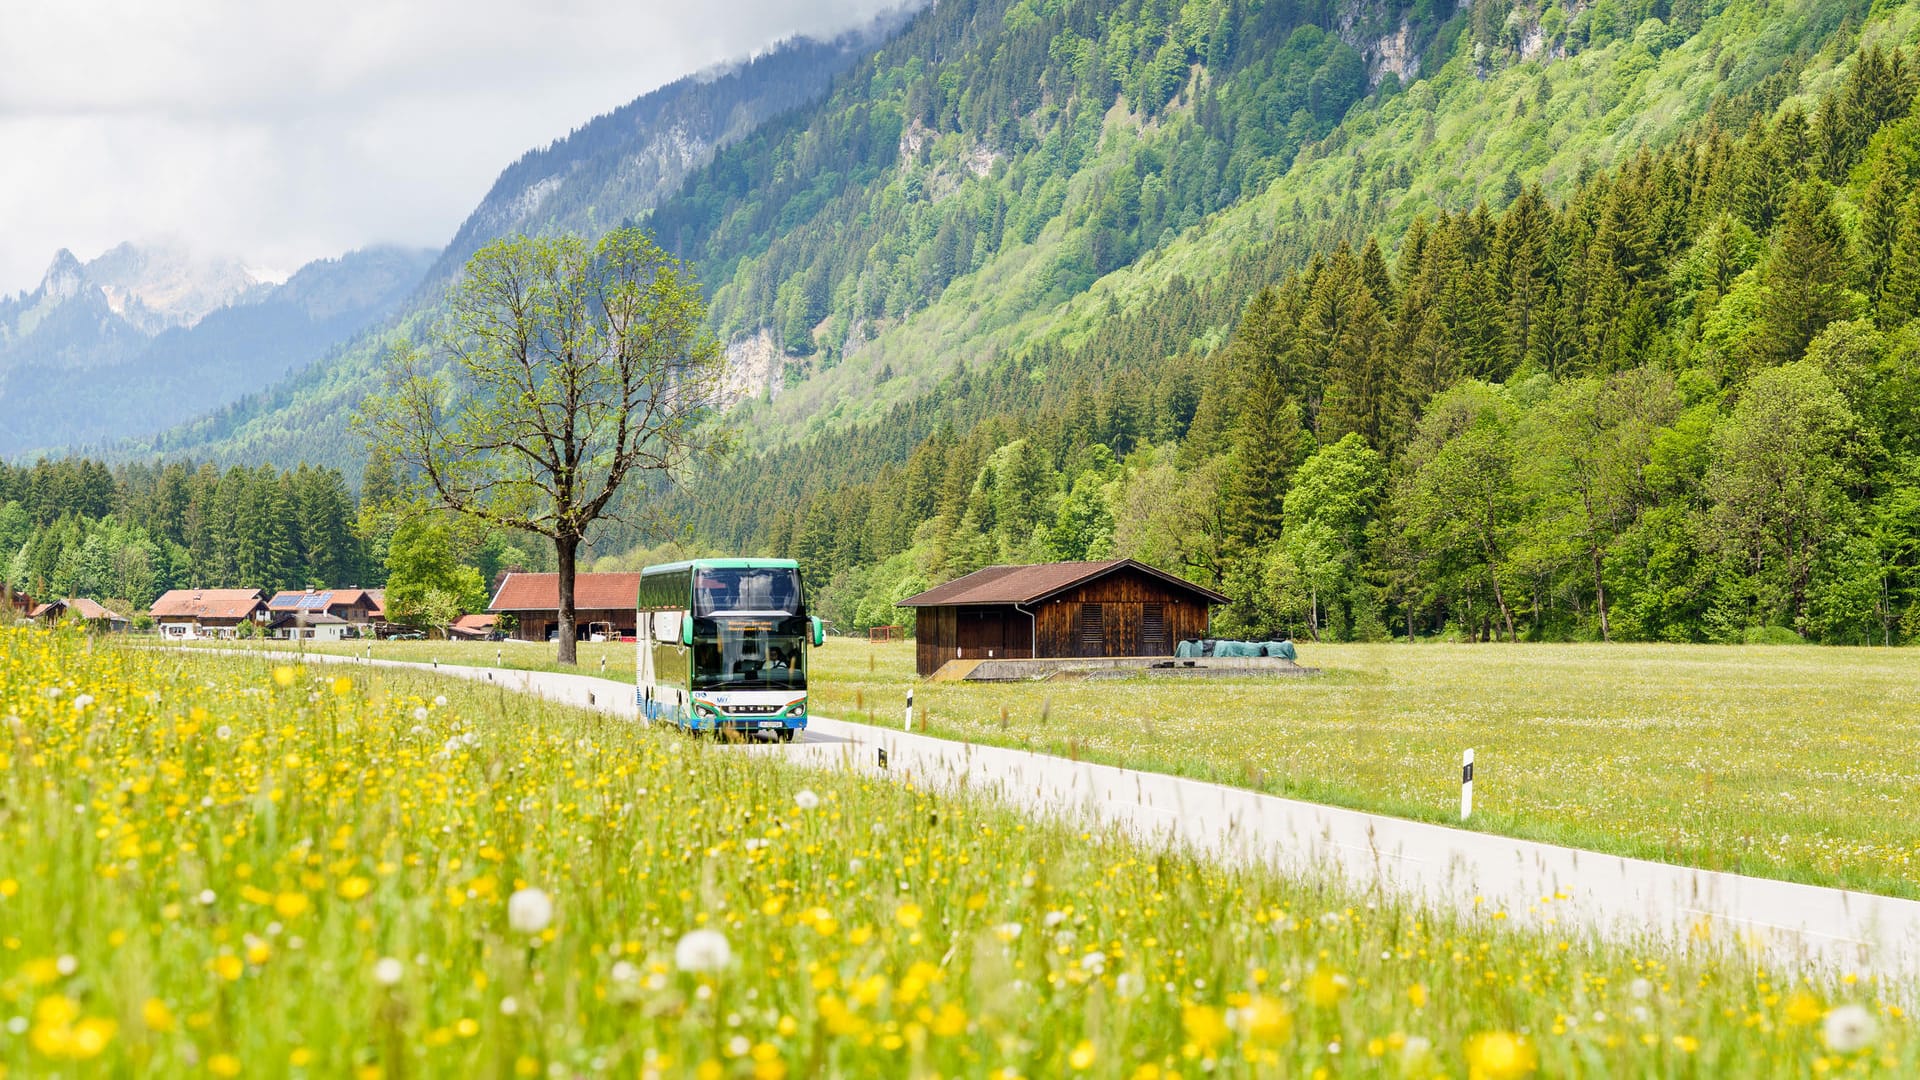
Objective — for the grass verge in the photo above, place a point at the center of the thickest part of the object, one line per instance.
(218, 866)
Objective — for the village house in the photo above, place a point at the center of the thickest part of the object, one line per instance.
(604, 605)
(197, 613)
(1112, 608)
(323, 614)
(473, 627)
(90, 612)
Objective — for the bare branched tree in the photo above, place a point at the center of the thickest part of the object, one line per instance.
(563, 372)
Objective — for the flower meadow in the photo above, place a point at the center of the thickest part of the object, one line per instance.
(225, 867)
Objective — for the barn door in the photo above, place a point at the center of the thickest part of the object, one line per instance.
(1090, 631)
(1153, 630)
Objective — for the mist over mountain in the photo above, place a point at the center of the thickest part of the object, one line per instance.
(610, 170)
(126, 344)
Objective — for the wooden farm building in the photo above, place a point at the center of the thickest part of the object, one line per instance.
(98, 618)
(1118, 607)
(602, 603)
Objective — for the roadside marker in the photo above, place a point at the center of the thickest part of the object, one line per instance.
(1466, 784)
(883, 757)
(908, 726)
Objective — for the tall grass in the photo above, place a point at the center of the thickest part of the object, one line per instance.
(220, 866)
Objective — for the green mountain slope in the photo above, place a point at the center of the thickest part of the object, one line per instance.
(1673, 402)
(1536, 107)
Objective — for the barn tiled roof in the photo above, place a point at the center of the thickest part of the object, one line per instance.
(81, 606)
(207, 604)
(591, 592)
(1026, 584)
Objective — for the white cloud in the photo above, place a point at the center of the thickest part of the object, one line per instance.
(279, 136)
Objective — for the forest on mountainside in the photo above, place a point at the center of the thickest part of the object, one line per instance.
(982, 125)
(1678, 405)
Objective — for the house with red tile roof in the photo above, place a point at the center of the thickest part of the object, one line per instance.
(195, 613)
(295, 609)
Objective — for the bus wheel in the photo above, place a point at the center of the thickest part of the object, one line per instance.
(786, 734)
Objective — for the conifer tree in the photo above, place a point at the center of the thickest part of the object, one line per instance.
(1807, 277)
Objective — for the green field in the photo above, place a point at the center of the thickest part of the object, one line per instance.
(1792, 762)
(217, 866)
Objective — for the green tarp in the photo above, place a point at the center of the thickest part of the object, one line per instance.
(1210, 647)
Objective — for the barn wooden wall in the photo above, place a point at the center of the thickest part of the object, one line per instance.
(1067, 627)
(952, 633)
(1104, 617)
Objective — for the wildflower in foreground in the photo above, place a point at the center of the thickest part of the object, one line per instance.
(1204, 1025)
(529, 911)
(1499, 1055)
(388, 971)
(1848, 1028)
(805, 799)
(703, 951)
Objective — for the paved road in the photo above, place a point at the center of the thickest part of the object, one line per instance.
(1781, 922)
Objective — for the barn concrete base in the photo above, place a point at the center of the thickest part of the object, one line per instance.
(1096, 667)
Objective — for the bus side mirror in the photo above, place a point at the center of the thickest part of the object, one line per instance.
(686, 630)
(819, 632)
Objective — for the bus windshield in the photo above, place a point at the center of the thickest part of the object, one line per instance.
(750, 654)
(758, 590)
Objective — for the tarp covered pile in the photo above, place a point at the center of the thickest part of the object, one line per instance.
(1214, 647)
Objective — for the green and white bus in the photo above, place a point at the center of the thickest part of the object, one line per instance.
(723, 646)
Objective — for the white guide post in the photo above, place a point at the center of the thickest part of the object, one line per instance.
(1466, 784)
(908, 726)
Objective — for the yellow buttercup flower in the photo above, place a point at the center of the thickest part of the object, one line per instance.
(951, 1020)
(283, 677)
(156, 1015)
(1204, 1024)
(1082, 1055)
(908, 914)
(1500, 1055)
(1267, 1021)
(1804, 1009)
(1325, 988)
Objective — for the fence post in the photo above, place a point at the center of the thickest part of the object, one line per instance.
(1466, 784)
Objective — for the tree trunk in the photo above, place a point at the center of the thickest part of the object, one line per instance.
(1500, 597)
(565, 551)
(1600, 594)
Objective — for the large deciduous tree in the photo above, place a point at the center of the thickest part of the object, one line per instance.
(564, 371)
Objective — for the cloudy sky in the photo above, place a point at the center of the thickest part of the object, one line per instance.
(281, 132)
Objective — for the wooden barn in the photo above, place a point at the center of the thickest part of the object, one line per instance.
(1114, 608)
(602, 604)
